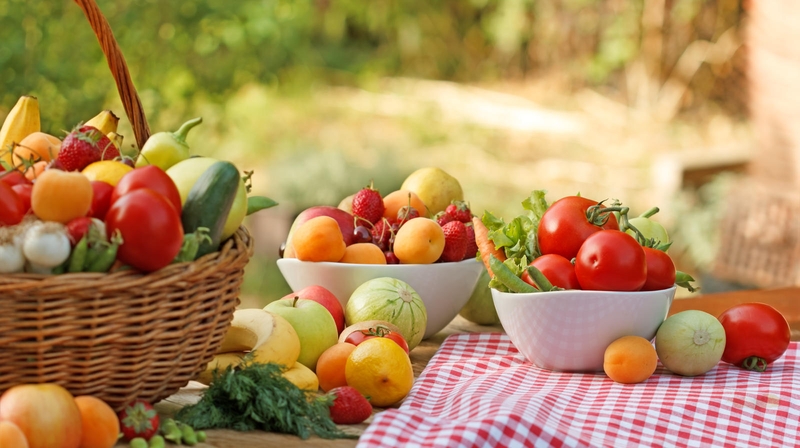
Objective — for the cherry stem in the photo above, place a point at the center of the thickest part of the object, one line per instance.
(755, 364)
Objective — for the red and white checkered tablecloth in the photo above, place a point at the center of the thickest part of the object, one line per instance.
(478, 391)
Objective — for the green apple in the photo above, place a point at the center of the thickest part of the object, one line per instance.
(480, 306)
(313, 324)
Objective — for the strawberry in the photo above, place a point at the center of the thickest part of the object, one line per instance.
(472, 246)
(349, 406)
(455, 241)
(405, 214)
(460, 211)
(138, 419)
(83, 146)
(443, 218)
(368, 204)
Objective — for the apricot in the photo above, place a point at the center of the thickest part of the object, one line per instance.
(35, 147)
(36, 170)
(630, 359)
(363, 253)
(393, 201)
(61, 196)
(330, 365)
(319, 239)
(99, 423)
(13, 437)
(419, 241)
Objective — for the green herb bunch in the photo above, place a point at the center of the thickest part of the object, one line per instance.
(256, 396)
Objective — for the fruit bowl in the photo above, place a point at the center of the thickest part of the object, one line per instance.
(444, 287)
(570, 330)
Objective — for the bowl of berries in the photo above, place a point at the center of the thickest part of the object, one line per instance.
(340, 249)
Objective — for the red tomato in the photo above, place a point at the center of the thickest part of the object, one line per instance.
(152, 233)
(378, 331)
(660, 270)
(564, 226)
(151, 177)
(610, 260)
(557, 269)
(24, 193)
(101, 199)
(756, 334)
(46, 414)
(14, 177)
(12, 207)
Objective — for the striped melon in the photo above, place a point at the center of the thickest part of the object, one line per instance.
(390, 300)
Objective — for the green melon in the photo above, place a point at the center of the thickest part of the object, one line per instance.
(390, 300)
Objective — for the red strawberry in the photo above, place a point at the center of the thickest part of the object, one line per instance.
(460, 211)
(138, 419)
(472, 246)
(349, 406)
(383, 233)
(406, 213)
(443, 218)
(83, 146)
(368, 204)
(455, 241)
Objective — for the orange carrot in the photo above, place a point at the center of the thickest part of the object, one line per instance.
(485, 245)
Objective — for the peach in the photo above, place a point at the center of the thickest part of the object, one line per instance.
(363, 253)
(319, 239)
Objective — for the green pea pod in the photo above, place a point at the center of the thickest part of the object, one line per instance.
(541, 280)
(507, 277)
(189, 436)
(138, 442)
(256, 203)
(171, 431)
(106, 259)
(78, 256)
(201, 436)
(191, 244)
(157, 441)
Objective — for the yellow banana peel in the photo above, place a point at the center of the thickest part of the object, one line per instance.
(105, 121)
(302, 377)
(221, 362)
(22, 120)
(115, 138)
(269, 337)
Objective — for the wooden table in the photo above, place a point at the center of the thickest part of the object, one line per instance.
(786, 300)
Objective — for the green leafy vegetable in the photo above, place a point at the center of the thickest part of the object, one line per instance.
(517, 238)
(257, 397)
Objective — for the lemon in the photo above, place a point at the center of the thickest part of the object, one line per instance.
(108, 171)
(380, 370)
(434, 187)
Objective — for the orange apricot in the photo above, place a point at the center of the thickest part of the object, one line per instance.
(99, 423)
(393, 201)
(419, 241)
(13, 437)
(36, 170)
(319, 239)
(363, 253)
(630, 359)
(35, 147)
(330, 365)
(61, 196)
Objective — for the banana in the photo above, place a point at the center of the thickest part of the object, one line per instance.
(270, 337)
(221, 362)
(22, 120)
(302, 377)
(115, 138)
(105, 121)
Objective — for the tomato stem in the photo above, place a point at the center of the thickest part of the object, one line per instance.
(755, 363)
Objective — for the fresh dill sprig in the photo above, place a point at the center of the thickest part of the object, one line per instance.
(255, 396)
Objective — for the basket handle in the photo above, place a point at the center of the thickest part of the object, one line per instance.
(116, 62)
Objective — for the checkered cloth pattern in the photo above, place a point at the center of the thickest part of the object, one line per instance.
(478, 391)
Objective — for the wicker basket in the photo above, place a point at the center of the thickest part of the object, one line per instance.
(123, 335)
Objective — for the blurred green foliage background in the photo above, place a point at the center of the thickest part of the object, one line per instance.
(267, 78)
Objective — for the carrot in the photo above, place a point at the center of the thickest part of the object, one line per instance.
(485, 245)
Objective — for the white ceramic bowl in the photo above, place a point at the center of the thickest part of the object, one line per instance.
(444, 287)
(570, 330)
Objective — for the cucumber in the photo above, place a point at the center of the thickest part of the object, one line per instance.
(209, 202)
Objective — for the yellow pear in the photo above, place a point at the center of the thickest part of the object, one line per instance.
(434, 187)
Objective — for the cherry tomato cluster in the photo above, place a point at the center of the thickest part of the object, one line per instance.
(605, 257)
